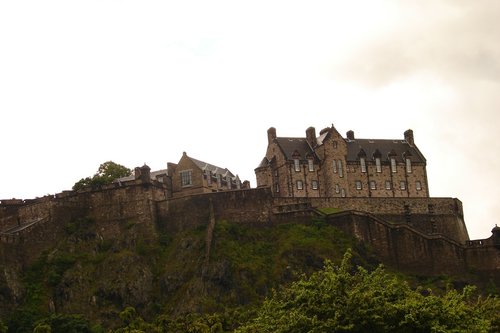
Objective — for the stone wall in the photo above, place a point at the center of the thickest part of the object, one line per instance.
(403, 247)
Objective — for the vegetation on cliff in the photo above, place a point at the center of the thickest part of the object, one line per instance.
(282, 278)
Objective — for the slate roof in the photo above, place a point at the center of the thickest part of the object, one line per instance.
(385, 147)
(291, 145)
(153, 175)
(213, 168)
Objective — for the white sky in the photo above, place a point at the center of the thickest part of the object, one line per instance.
(84, 82)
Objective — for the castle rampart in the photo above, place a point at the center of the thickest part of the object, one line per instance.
(425, 235)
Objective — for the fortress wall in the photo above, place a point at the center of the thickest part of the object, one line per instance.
(430, 215)
(402, 247)
(484, 258)
(243, 206)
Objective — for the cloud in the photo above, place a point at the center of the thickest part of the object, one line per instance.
(453, 44)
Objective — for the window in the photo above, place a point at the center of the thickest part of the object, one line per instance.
(341, 172)
(186, 179)
(362, 161)
(418, 185)
(296, 163)
(343, 193)
(277, 187)
(402, 185)
(359, 186)
(393, 164)
(310, 163)
(408, 165)
(334, 166)
(334, 144)
(388, 185)
(300, 185)
(373, 185)
(314, 184)
(337, 188)
(378, 164)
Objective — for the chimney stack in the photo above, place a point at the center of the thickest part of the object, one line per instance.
(311, 137)
(409, 137)
(271, 135)
(350, 135)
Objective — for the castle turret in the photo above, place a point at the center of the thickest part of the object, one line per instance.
(496, 235)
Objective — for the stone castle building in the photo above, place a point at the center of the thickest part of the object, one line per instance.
(189, 176)
(330, 165)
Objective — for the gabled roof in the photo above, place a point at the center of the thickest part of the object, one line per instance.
(385, 147)
(153, 175)
(291, 146)
(213, 168)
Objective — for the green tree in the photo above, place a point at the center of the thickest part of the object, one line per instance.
(106, 174)
(63, 323)
(344, 299)
(3, 327)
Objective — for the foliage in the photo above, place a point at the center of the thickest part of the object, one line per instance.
(343, 299)
(3, 327)
(106, 174)
(61, 323)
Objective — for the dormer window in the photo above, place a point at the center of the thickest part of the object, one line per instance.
(296, 163)
(362, 162)
(310, 163)
(378, 164)
(393, 165)
(408, 165)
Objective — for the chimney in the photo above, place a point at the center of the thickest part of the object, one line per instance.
(271, 135)
(409, 137)
(350, 135)
(311, 137)
(145, 174)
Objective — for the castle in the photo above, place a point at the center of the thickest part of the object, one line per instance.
(333, 166)
(375, 190)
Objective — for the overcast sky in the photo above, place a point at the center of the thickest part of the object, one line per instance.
(84, 82)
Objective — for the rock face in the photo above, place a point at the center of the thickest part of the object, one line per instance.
(96, 252)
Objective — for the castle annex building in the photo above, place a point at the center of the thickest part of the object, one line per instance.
(330, 165)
